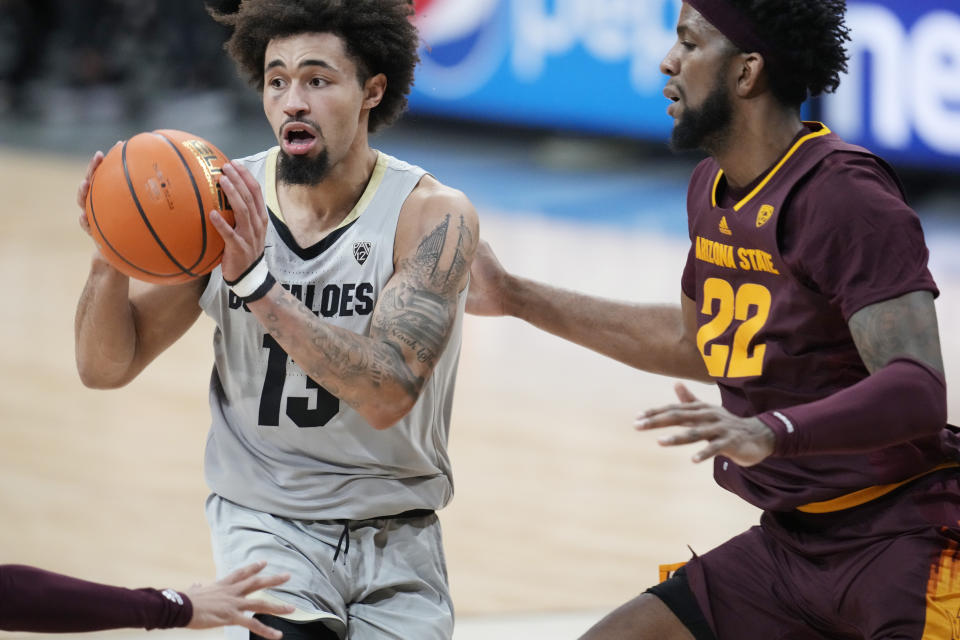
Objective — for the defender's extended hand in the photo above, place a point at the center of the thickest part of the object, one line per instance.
(487, 283)
(243, 242)
(225, 601)
(746, 441)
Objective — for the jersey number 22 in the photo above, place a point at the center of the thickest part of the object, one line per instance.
(735, 360)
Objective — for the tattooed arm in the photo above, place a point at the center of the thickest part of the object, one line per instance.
(904, 327)
(902, 399)
(381, 375)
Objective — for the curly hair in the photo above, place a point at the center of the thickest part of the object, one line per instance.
(810, 35)
(378, 34)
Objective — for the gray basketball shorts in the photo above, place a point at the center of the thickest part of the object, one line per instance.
(389, 578)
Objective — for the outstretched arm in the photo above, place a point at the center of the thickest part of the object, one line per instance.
(899, 343)
(36, 600)
(225, 602)
(656, 338)
(380, 375)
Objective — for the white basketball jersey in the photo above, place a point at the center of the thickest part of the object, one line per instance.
(279, 442)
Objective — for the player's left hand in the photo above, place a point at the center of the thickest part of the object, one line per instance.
(243, 242)
(225, 602)
(746, 441)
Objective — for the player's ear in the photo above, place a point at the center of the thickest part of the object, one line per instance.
(373, 90)
(751, 78)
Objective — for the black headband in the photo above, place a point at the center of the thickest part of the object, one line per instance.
(736, 26)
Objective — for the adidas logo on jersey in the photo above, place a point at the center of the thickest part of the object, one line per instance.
(172, 596)
(361, 251)
(724, 227)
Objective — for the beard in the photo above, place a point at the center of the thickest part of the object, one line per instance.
(303, 170)
(706, 127)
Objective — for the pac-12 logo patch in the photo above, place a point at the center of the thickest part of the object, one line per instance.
(765, 213)
(361, 251)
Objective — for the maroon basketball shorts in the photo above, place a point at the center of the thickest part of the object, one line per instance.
(885, 570)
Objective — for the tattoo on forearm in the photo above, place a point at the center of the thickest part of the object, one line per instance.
(342, 357)
(413, 316)
(390, 356)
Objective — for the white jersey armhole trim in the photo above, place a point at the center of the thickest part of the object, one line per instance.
(273, 202)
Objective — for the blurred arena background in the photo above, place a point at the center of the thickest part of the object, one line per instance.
(548, 114)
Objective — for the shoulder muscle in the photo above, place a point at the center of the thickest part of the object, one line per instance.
(437, 235)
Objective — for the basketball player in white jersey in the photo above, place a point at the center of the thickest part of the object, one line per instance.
(339, 306)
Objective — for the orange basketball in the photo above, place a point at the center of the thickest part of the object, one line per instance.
(149, 203)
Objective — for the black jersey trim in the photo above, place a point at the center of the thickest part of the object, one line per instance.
(314, 250)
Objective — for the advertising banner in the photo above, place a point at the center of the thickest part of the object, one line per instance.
(901, 95)
(572, 64)
(594, 66)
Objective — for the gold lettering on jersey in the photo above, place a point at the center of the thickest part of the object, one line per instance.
(756, 260)
(765, 213)
(715, 253)
(731, 257)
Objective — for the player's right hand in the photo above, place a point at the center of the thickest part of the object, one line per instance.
(244, 240)
(746, 441)
(488, 283)
(84, 189)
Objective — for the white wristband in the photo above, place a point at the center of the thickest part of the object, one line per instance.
(252, 280)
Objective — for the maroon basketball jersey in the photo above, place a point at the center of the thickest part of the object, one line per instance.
(773, 318)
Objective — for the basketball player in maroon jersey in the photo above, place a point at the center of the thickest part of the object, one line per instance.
(32, 599)
(806, 298)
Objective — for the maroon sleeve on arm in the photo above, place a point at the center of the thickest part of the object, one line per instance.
(902, 401)
(32, 599)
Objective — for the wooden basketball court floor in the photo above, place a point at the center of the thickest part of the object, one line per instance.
(562, 511)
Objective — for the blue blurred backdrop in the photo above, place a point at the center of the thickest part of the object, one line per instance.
(593, 65)
(545, 107)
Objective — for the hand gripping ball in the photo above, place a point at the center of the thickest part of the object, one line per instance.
(149, 202)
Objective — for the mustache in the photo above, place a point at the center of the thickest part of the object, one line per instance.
(307, 121)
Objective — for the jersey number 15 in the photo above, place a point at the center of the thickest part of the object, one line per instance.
(328, 405)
